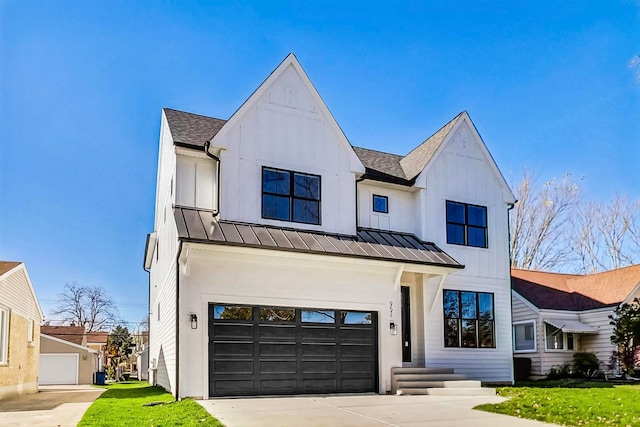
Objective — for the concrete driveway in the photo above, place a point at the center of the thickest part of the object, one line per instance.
(53, 406)
(360, 411)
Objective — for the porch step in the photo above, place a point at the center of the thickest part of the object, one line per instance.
(471, 391)
(435, 382)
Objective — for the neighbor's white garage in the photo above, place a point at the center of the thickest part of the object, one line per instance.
(58, 369)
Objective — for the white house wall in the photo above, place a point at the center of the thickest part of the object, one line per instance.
(486, 364)
(462, 173)
(403, 206)
(285, 129)
(196, 180)
(225, 275)
(599, 343)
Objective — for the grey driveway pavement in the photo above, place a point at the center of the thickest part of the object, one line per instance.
(360, 411)
(53, 406)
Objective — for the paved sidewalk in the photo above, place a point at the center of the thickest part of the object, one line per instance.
(360, 411)
(53, 406)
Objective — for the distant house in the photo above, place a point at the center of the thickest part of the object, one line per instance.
(65, 357)
(285, 260)
(556, 315)
(20, 319)
(98, 341)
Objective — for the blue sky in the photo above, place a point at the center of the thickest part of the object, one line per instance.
(82, 83)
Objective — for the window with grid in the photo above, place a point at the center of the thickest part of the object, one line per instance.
(290, 196)
(466, 224)
(468, 319)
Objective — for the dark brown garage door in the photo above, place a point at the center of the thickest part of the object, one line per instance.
(279, 350)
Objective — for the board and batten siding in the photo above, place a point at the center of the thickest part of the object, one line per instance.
(162, 342)
(522, 312)
(286, 129)
(486, 364)
(403, 207)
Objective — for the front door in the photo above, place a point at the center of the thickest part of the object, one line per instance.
(406, 324)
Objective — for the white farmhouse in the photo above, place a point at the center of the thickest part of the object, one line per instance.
(284, 260)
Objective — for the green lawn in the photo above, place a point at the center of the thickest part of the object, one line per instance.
(572, 403)
(123, 405)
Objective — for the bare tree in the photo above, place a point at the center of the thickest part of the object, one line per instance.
(88, 306)
(538, 222)
(606, 235)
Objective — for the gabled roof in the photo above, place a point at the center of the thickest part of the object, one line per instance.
(6, 266)
(191, 130)
(97, 337)
(200, 226)
(73, 334)
(9, 268)
(414, 162)
(575, 292)
(382, 166)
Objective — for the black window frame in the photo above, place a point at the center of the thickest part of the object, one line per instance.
(386, 203)
(292, 197)
(466, 226)
(459, 320)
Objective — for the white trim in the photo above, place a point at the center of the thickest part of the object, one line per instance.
(58, 340)
(22, 267)
(4, 335)
(535, 336)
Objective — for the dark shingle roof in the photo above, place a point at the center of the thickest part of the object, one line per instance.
(192, 130)
(200, 226)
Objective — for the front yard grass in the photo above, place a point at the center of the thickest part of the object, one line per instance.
(123, 405)
(572, 403)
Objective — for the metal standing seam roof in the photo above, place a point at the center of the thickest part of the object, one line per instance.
(199, 225)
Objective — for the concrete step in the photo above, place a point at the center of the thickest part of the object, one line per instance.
(475, 391)
(439, 384)
(429, 377)
(399, 370)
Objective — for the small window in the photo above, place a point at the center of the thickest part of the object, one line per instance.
(466, 224)
(4, 336)
(318, 316)
(290, 196)
(30, 331)
(277, 315)
(356, 318)
(231, 312)
(468, 319)
(380, 204)
(524, 337)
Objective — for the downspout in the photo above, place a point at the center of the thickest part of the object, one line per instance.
(362, 178)
(177, 396)
(217, 159)
(509, 208)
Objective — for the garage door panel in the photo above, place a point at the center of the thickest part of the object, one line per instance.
(319, 367)
(233, 366)
(58, 369)
(281, 332)
(285, 351)
(233, 331)
(233, 348)
(277, 349)
(319, 349)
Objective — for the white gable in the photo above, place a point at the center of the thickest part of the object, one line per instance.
(17, 293)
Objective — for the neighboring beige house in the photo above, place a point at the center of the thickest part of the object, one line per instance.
(556, 315)
(64, 362)
(20, 319)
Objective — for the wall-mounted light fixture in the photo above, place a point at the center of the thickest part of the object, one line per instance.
(194, 321)
(393, 328)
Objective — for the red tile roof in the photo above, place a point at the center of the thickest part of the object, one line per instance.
(74, 334)
(575, 292)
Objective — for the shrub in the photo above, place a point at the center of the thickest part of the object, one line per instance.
(558, 372)
(586, 364)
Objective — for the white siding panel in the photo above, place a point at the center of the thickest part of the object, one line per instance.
(599, 343)
(15, 293)
(204, 185)
(522, 312)
(162, 340)
(404, 208)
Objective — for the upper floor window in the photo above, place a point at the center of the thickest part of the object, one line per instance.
(466, 224)
(290, 196)
(468, 319)
(380, 204)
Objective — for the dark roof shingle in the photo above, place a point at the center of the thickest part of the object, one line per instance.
(192, 130)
